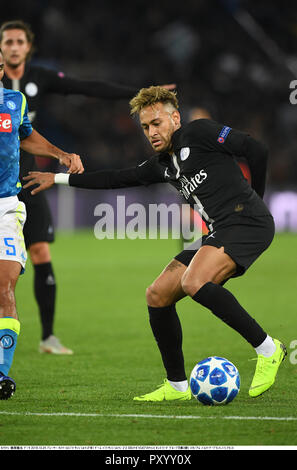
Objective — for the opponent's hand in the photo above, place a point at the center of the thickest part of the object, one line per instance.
(73, 162)
(44, 181)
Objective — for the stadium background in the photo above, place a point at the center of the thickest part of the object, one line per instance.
(86, 399)
(236, 58)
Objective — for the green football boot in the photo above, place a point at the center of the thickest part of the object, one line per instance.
(165, 392)
(266, 370)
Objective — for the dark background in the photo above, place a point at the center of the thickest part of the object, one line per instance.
(236, 58)
(197, 44)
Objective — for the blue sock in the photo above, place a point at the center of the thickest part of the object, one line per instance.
(9, 331)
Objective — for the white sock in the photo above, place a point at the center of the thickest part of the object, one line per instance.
(267, 348)
(180, 386)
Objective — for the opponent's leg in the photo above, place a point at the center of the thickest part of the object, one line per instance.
(9, 324)
(45, 294)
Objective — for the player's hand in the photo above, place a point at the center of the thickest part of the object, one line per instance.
(73, 163)
(44, 181)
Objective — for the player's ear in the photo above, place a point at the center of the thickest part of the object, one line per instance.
(176, 117)
(29, 47)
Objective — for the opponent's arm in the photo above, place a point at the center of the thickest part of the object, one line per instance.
(36, 144)
(105, 179)
(143, 174)
(63, 84)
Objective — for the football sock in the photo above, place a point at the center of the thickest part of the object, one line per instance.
(167, 331)
(45, 294)
(267, 348)
(224, 305)
(9, 331)
(180, 386)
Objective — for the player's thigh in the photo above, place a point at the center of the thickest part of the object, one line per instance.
(167, 289)
(12, 244)
(210, 264)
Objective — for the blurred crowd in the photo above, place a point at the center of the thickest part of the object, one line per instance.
(233, 59)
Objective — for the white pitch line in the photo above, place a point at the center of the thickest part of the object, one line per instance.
(149, 416)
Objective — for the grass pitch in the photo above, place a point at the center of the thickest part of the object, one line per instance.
(86, 399)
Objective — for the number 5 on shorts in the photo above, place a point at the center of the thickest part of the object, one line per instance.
(11, 248)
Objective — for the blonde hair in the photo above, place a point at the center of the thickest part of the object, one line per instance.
(150, 96)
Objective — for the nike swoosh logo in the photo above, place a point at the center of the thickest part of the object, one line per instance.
(257, 386)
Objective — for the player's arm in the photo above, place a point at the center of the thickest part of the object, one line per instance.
(256, 154)
(63, 84)
(143, 174)
(236, 143)
(32, 142)
(36, 144)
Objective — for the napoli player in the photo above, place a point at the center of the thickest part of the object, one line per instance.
(16, 132)
(17, 43)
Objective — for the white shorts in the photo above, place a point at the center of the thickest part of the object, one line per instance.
(12, 220)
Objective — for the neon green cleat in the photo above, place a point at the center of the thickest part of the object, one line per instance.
(165, 392)
(266, 370)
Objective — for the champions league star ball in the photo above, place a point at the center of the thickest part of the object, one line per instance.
(215, 381)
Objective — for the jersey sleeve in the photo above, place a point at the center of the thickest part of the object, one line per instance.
(211, 136)
(150, 172)
(25, 128)
(58, 82)
(141, 175)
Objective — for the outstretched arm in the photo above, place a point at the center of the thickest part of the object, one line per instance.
(144, 174)
(36, 144)
(64, 84)
(105, 179)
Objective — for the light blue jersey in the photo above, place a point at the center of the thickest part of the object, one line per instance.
(14, 126)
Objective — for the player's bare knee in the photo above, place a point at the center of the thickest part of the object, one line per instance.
(155, 297)
(39, 253)
(191, 284)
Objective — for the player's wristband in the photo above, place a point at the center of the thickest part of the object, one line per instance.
(62, 178)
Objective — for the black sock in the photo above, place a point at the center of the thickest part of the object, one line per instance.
(225, 306)
(45, 294)
(167, 331)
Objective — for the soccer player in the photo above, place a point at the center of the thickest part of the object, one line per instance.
(17, 43)
(15, 132)
(198, 160)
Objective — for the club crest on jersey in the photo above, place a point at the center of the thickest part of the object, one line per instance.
(11, 105)
(184, 153)
(5, 122)
(224, 134)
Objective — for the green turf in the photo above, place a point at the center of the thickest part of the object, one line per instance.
(101, 314)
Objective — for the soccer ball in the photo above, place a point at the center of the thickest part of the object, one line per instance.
(215, 381)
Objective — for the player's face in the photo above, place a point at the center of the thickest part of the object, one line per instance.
(15, 47)
(159, 122)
